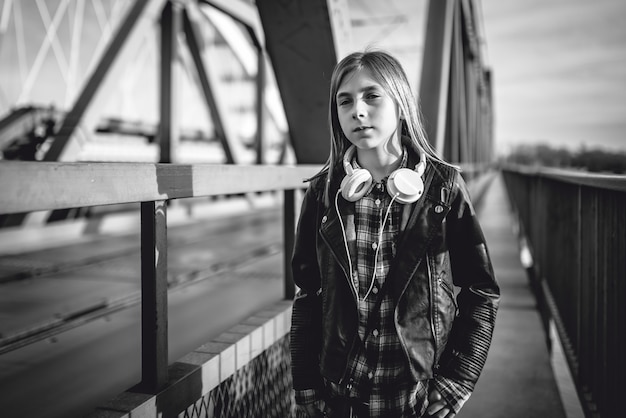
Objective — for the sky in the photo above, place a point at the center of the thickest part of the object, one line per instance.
(559, 70)
(559, 66)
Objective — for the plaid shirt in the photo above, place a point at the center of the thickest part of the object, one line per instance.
(378, 374)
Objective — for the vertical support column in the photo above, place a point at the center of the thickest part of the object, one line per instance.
(487, 110)
(168, 132)
(289, 232)
(435, 78)
(153, 296)
(65, 145)
(461, 67)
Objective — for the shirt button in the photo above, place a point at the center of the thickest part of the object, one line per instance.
(374, 290)
(324, 219)
(377, 202)
(370, 375)
(374, 245)
(375, 333)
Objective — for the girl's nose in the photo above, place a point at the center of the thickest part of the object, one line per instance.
(358, 110)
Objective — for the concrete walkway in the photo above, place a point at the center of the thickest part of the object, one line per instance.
(517, 381)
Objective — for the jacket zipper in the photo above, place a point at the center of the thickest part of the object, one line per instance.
(432, 302)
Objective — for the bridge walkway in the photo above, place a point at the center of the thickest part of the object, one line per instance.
(518, 379)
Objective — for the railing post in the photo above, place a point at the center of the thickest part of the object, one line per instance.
(260, 105)
(289, 231)
(153, 296)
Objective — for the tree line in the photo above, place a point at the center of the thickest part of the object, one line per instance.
(593, 160)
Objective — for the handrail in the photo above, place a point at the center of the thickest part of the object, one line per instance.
(32, 186)
(574, 224)
(615, 182)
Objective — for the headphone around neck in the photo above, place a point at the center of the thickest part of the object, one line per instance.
(404, 185)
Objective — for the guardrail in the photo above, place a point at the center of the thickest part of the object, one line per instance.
(35, 186)
(575, 226)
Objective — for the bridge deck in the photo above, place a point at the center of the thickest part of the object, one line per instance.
(518, 380)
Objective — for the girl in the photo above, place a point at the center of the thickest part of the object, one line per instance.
(386, 231)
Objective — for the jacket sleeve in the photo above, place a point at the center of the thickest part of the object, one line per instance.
(470, 338)
(305, 336)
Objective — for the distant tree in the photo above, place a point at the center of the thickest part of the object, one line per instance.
(594, 160)
(600, 161)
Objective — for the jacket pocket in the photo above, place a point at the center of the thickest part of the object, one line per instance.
(447, 288)
(440, 270)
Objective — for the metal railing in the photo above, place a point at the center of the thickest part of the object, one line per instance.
(575, 226)
(27, 187)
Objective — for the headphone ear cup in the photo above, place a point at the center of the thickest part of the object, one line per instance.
(406, 185)
(356, 185)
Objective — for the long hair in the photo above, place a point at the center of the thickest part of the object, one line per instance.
(388, 72)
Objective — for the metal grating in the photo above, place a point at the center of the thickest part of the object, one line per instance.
(260, 389)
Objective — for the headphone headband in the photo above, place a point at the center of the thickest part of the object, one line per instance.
(404, 185)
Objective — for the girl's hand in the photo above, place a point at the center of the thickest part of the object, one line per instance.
(438, 407)
(308, 411)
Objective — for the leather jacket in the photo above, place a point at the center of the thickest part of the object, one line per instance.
(441, 245)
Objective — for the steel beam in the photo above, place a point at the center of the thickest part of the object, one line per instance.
(247, 15)
(206, 82)
(242, 12)
(300, 44)
(435, 77)
(124, 43)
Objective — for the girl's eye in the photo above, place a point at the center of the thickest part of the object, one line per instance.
(344, 102)
(372, 96)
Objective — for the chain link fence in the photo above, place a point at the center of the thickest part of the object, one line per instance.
(260, 389)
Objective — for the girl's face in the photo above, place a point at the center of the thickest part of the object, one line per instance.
(367, 114)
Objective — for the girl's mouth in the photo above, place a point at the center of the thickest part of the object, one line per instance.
(361, 128)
